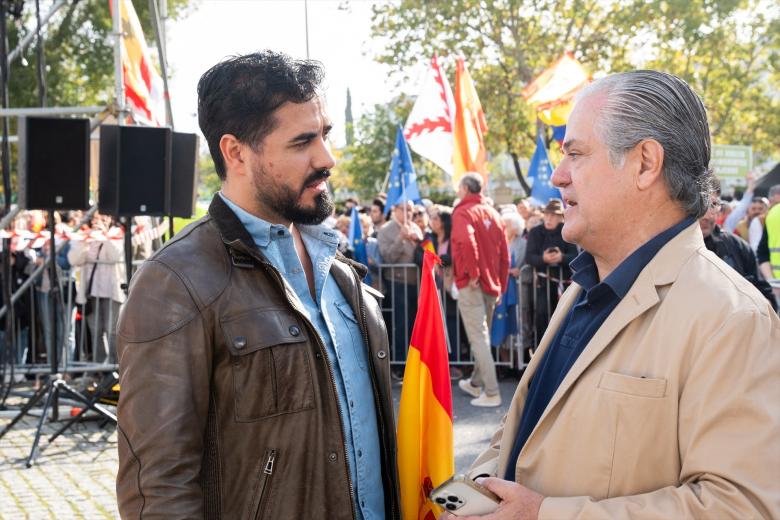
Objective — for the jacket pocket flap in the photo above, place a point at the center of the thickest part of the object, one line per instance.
(631, 385)
(261, 328)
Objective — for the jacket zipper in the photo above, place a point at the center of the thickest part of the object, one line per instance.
(268, 267)
(377, 404)
(268, 471)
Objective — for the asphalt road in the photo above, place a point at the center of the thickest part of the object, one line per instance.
(473, 426)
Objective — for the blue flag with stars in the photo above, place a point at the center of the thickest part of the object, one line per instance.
(541, 172)
(356, 243)
(402, 185)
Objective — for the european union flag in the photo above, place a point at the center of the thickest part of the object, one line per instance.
(402, 185)
(505, 315)
(356, 242)
(541, 172)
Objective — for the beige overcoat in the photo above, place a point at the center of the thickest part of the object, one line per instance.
(671, 411)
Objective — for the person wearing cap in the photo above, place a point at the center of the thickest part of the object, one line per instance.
(549, 254)
(654, 392)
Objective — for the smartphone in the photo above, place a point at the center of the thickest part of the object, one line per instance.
(461, 496)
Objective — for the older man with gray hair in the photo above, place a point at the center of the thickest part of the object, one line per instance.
(653, 393)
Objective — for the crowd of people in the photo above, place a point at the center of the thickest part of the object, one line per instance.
(91, 276)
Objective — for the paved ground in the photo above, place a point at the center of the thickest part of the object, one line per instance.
(74, 477)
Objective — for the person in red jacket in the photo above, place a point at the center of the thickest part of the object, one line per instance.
(480, 258)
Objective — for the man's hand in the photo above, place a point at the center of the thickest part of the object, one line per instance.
(515, 271)
(751, 181)
(552, 256)
(517, 502)
(411, 232)
(474, 283)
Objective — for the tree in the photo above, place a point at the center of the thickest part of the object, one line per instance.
(728, 50)
(362, 167)
(79, 54)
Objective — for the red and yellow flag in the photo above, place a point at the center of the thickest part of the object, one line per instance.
(425, 451)
(469, 154)
(143, 84)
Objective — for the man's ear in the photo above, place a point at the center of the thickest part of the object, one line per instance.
(231, 149)
(651, 163)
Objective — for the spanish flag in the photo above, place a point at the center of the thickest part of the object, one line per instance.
(469, 154)
(425, 453)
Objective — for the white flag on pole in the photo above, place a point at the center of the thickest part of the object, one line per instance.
(429, 127)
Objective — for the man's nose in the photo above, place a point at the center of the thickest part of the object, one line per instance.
(560, 176)
(324, 159)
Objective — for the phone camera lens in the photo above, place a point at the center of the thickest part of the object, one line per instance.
(453, 498)
(452, 507)
(440, 500)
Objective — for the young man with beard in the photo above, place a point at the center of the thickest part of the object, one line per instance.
(254, 362)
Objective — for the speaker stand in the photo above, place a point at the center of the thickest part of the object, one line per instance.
(55, 385)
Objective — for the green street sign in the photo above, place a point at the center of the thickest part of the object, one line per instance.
(731, 161)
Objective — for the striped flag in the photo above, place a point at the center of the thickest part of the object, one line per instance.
(143, 85)
(425, 450)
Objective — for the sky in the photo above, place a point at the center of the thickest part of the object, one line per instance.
(339, 37)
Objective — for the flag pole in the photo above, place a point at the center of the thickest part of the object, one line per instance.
(119, 86)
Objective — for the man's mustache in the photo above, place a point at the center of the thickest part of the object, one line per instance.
(316, 178)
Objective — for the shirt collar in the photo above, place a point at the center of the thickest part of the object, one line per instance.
(262, 230)
(623, 277)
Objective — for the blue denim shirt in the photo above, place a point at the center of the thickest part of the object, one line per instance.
(339, 331)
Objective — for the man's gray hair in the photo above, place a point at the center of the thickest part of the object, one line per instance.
(774, 191)
(472, 182)
(647, 104)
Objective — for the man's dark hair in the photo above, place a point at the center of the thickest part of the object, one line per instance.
(379, 202)
(239, 95)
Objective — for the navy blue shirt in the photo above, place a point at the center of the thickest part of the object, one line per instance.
(593, 306)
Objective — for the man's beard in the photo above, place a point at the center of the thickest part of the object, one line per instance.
(284, 201)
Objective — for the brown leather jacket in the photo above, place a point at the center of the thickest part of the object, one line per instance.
(228, 406)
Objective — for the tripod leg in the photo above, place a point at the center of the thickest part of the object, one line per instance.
(49, 398)
(32, 402)
(90, 404)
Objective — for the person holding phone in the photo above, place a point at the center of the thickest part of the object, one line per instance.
(550, 255)
(654, 391)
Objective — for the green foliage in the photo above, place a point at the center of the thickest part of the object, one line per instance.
(362, 167)
(727, 49)
(79, 53)
(208, 181)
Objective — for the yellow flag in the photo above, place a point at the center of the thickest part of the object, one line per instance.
(469, 154)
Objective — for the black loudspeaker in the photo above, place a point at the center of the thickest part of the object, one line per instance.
(53, 163)
(135, 170)
(184, 174)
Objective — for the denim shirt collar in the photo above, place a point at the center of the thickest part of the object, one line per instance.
(260, 230)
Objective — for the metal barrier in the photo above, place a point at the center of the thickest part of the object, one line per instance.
(83, 341)
(400, 284)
